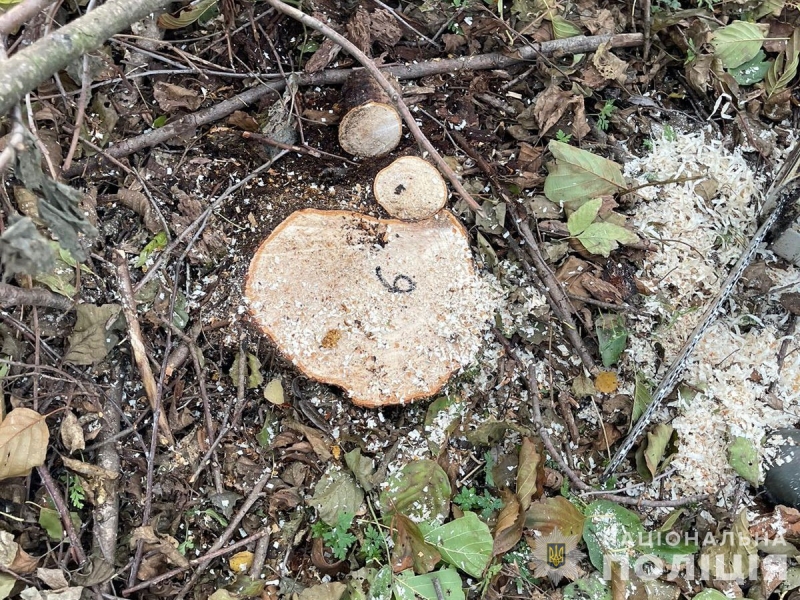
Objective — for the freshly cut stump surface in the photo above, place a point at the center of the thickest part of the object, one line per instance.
(410, 189)
(385, 309)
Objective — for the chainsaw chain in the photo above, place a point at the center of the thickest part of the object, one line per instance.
(779, 193)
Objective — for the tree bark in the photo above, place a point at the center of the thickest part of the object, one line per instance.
(30, 67)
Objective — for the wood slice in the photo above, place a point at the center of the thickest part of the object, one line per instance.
(410, 189)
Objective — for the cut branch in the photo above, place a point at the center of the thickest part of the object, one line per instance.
(494, 60)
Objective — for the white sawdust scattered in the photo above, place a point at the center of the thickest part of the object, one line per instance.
(735, 366)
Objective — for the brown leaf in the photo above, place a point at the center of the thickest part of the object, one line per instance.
(606, 382)
(508, 530)
(318, 440)
(23, 442)
(530, 473)
(72, 433)
(698, 72)
(609, 65)
(549, 514)
(52, 578)
(327, 51)
(171, 97)
(89, 470)
(358, 30)
(23, 563)
(411, 548)
(601, 290)
(791, 302)
(320, 560)
(550, 106)
(600, 24)
(243, 121)
(453, 42)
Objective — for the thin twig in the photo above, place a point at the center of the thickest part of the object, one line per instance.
(555, 293)
(541, 430)
(229, 531)
(128, 302)
(63, 511)
(206, 558)
(495, 60)
(394, 95)
(200, 221)
(86, 82)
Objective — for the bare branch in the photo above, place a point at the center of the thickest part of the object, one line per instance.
(28, 68)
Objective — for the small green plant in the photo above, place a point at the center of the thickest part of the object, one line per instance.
(605, 113)
(469, 499)
(521, 558)
(75, 491)
(374, 544)
(648, 144)
(186, 545)
(338, 538)
(691, 52)
(563, 137)
(669, 133)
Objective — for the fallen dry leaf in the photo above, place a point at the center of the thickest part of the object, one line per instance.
(23, 442)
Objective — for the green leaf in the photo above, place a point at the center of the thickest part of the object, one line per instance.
(50, 521)
(610, 530)
(381, 586)
(603, 238)
(336, 493)
(443, 414)
(611, 337)
(465, 543)
(743, 458)
(253, 373)
(710, 595)
(589, 588)
(273, 391)
(408, 586)
(362, 467)
(159, 121)
(159, 242)
(579, 174)
(752, 71)
(7, 583)
(784, 67)
(650, 453)
(584, 216)
(563, 28)
(420, 490)
(737, 43)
